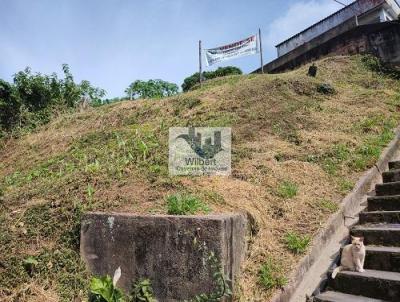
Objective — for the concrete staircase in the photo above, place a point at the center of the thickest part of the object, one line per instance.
(380, 227)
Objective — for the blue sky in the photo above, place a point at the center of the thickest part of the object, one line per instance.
(111, 43)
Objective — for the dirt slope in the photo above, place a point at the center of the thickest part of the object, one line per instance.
(297, 150)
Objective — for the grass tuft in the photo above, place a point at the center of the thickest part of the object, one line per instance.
(271, 275)
(183, 204)
(287, 190)
(297, 243)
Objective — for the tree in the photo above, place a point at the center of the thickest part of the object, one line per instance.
(192, 80)
(33, 97)
(9, 106)
(151, 89)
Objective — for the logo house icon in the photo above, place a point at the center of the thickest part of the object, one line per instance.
(200, 151)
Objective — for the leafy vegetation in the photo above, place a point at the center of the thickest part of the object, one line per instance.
(33, 97)
(151, 89)
(103, 289)
(222, 288)
(297, 243)
(143, 291)
(194, 79)
(271, 275)
(184, 204)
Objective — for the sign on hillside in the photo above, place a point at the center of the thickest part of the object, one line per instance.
(234, 50)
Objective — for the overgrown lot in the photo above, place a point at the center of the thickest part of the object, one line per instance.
(298, 149)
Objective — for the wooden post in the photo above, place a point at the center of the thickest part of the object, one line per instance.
(200, 66)
(261, 51)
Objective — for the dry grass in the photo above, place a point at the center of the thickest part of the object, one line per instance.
(283, 130)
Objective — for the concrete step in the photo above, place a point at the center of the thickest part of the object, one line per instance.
(378, 234)
(393, 165)
(380, 217)
(391, 176)
(371, 283)
(384, 203)
(383, 258)
(330, 296)
(389, 188)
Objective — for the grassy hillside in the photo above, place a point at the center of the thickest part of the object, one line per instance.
(298, 148)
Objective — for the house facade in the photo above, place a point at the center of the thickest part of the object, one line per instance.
(363, 11)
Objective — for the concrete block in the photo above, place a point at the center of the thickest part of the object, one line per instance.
(389, 188)
(384, 203)
(378, 234)
(171, 251)
(394, 165)
(372, 284)
(391, 176)
(383, 258)
(390, 217)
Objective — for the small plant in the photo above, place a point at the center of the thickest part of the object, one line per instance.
(104, 289)
(142, 291)
(90, 191)
(30, 264)
(296, 243)
(270, 275)
(222, 287)
(178, 204)
(287, 189)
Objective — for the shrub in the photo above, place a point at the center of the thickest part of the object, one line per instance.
(192, 80)
(185, 205)
(9, 106)
(326, 89)
(32, 97)
(375, 64)
(151, 89)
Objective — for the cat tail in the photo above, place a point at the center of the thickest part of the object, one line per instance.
(336, 270)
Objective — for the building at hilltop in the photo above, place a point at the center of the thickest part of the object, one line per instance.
(364, 26)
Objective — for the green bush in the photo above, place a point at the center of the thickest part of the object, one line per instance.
(151, 89)
(375, 64)
(32, 97)
(192, 80)
(185, 205)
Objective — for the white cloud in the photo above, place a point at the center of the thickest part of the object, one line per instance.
(299, 16)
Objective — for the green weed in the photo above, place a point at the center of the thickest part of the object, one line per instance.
(143, 291)
(271, 275)
(297, 243)
(183, 204)
(287, 189)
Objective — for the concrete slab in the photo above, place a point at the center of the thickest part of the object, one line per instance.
(172, 251)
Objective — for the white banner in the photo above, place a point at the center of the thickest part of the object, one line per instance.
(238, 49)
